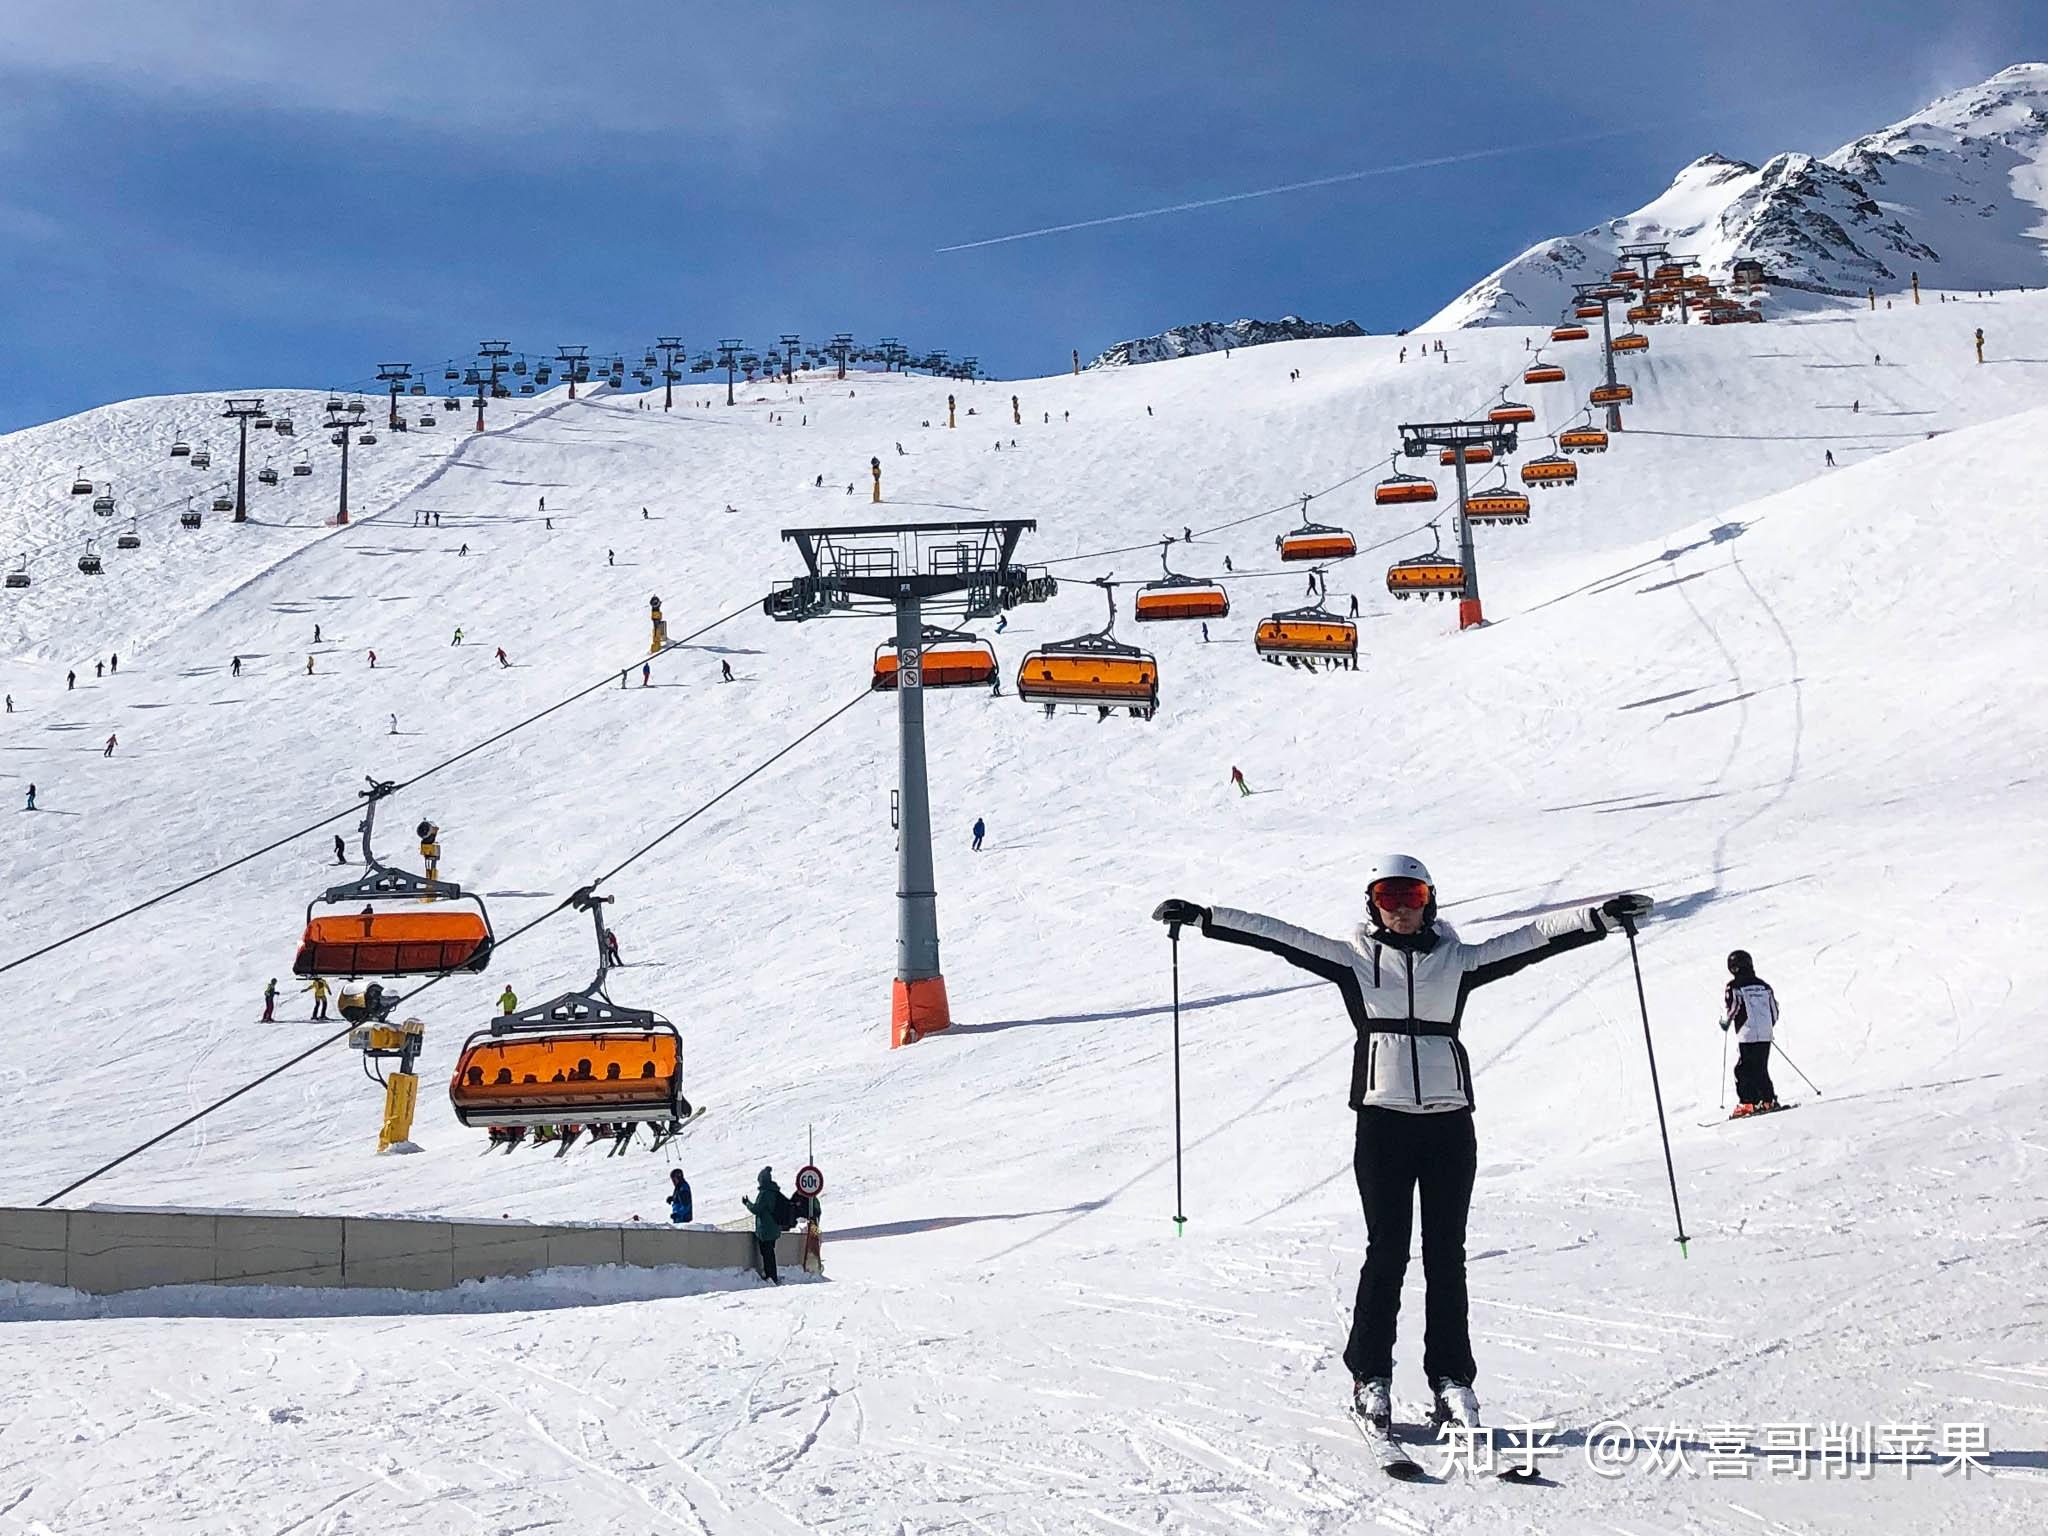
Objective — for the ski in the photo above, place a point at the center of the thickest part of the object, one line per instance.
(1764, 1115)
(1393, 1458)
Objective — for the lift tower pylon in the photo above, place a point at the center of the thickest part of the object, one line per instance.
(240, 410)
(342, 425)
(904, 570)
(1419, 438)
(1604, 294)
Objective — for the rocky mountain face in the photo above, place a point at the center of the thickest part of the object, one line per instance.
(1958, 192)
(1215, 336)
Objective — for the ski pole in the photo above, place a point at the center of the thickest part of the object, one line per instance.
(1628, 926)
(1802, 1076)
(1180, 1221)
(1724, 1066)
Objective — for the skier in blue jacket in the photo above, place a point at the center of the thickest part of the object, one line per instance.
(680, 1205)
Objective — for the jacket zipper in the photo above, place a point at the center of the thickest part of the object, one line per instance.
(1414, 1050)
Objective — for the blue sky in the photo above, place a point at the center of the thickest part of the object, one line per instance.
(210, 195)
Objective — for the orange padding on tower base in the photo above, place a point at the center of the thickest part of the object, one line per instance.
(1469, 616)
(916, 1009)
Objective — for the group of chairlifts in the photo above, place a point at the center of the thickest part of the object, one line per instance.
(579, 1063)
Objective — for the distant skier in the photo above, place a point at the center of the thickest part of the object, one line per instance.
(270, 1001)
(1750, 1008)
(980, 831)
(1354, 605)
(114, 663)
(112, 742)
(1187, 534)
(724, 671)
(99, 669)
(318, 987)
(463, 551)
(340, 850)
(316, 634)
(502, 660)
(611, 948)
(1205, 631)
(309, 666)
(1980, 343)
(458, 636)
(1831, 458)
(1855, 407)
(1002, 622)
(646, 674)
(507, 999)
(1227, 567)
(543, 504)
(70, 681)
(235, 667)
(1237, 778)
(373, 661)
(10, 703)
(31, 797)
(611, 557)
(681, 1208)
(394, 725)
(1405, 982)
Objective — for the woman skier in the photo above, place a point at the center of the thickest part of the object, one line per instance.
(1750, 1008)
(1405, 980)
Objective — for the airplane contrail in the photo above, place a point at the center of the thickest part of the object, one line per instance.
(1292, 186)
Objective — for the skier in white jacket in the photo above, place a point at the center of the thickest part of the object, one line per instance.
(1405, 981)
(1750, 1008)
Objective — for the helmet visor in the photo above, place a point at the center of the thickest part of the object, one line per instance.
(1398, 894)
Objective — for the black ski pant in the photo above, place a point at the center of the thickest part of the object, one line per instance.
(1397, 1153)
(1753, 1072)
(766, 1248)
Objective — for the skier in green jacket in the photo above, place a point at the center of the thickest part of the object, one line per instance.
(767, 1227)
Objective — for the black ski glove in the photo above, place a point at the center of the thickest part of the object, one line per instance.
(1626, 908)
(1175, 910)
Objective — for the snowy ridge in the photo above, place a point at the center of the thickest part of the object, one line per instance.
(1795, 704)
(1217, 336)
(1957, 192)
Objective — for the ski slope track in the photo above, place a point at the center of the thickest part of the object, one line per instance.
(1801, 706)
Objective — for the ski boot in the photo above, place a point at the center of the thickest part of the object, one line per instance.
(1373, 1403)
(1741, 1111)
(1455, 1404)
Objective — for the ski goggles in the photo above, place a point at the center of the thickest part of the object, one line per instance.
(1398, 894)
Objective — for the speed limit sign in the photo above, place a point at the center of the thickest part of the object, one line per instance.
(810, 1183)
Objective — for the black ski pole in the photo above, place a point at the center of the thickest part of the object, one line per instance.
(1802, 1076)
(1724, 1066)
(1180, 1220)
(1628, 926)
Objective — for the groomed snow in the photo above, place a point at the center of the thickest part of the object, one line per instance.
(1797, 705)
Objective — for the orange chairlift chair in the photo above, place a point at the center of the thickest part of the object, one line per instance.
(1093, 669)
(949, 658)
(1174, 596)
(1497, 504)
(1316, 541)
(580, 1062)
(1302, 637)
(1435, 574)
(1400, 490)
(416, 940)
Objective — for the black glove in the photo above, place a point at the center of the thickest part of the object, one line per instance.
(1625, 909)
(1174, 910)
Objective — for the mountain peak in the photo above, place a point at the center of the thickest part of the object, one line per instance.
(1216, 336)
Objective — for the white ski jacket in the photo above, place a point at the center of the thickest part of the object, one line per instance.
(1406, 996)
(1752, 1008)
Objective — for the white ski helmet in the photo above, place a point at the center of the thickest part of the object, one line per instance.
(1398, 866)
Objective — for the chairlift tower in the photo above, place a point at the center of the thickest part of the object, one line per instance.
(904, 569)
(239, 410)
(935, 363)
(891, 350)
(729, 349)
(397, 375)
(343, 424)
(1604, 294)
(970, 369)
(1656, 253)
(494, 353)
(1420, 438)
(575, 363)
(790, 342)
(841, 349)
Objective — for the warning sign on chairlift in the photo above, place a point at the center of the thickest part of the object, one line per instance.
(810, 1183)
(909, 675)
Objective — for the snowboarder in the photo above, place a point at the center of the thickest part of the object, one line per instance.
(112, 742)
(318, 987)
(1237, 778)
(680, 1206)
(31, 797)
(724, 671)
(1750, 1008)
(980, 831)
(766, 1207)
(235, 667)
(507, 999)
(340, 850)
(270, 1001)
(1405, 981)
(502, 661)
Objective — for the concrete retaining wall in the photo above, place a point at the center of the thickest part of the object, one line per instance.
(127, 1248)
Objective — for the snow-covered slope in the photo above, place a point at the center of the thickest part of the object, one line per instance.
(1217, 336)
(1798, 705)
(1958, 193)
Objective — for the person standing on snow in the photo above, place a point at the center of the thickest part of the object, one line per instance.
(318, 987)
(724, 671)
(1750, 1008)
(611, 948)
(235, 667)
(70, 681)
(1405, 981)
(270, 1001)
(681, 1208)
(1831, 458)
(980, 831)
(507, 999)
(112, 742)
(1237, 778)
(646, 674)
(765, 1206)
(340, 850)
(31, 797)
(458, 636)
(501, 657)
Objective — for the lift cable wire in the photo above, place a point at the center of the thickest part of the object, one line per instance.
(561, 906)
(354, 809)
